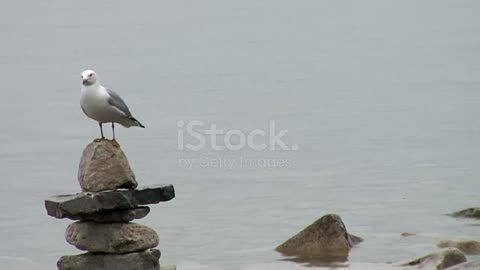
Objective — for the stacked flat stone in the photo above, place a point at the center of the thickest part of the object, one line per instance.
(109, 201)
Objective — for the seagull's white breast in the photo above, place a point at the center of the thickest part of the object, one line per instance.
(94, 103)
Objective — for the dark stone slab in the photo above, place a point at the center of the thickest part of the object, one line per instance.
(115, 215)
(86, 203)
(145, 260)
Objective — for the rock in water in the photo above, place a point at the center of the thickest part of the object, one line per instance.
(326, 239)
(438, 260)
(110, 237)
(469, 247)
(145, 260)
(104, 166)
(473, 212)
(168, 267)
(474, 265)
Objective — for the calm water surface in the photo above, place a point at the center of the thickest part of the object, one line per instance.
(380, 96)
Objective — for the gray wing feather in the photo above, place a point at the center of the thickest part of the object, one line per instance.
(116, 101)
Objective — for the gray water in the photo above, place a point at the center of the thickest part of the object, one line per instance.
(380, 96)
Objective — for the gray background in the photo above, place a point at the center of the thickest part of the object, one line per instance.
(381, 97)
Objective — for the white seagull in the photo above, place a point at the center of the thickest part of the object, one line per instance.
(104, 105)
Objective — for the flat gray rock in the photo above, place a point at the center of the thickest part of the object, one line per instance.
(145, 260)
(115, 215)
(104, 166)
(111, 237)
(71, 206)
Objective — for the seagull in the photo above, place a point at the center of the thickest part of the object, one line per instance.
(104, 105)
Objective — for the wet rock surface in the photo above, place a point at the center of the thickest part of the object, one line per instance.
(438, 260)
(473, 212)
(474, 265)
(145, 260)
(168, 267)
(469, 247)
(326, 239)
(111, 237)
(73, 206)
(104, 166)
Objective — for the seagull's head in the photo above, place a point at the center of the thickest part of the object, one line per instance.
(89, 77)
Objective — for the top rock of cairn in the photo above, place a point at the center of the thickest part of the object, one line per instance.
(104, 166)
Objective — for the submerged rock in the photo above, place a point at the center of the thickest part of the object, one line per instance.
(115, 215)
(469, 247)
(111, 237)
(474, 265)
(104, 166)
(72, 206)
(438, 260)
(326, 239)
(168, 267)
(145, 260)
(473, 212)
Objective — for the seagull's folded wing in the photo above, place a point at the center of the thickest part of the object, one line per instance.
(116, 101)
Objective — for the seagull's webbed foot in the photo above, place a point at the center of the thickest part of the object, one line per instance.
(115, 143)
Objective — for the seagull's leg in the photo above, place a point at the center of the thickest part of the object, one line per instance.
(114, 142)
(101, 130)
(113, 131)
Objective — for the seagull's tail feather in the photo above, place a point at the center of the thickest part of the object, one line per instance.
(136, 122)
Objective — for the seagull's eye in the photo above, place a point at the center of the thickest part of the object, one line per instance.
(91, 74)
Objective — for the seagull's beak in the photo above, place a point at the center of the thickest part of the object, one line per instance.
(84, 81)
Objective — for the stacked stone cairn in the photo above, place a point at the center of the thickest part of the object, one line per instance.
(109, 201)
